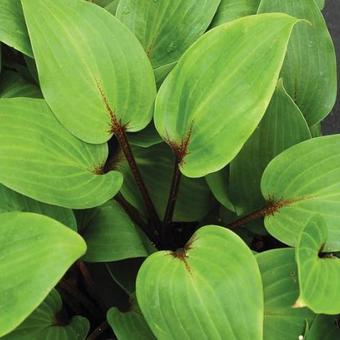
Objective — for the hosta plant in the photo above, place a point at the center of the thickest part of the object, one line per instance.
(163, 174)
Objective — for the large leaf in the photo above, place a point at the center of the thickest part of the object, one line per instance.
(13, 31)
(129, 325)
(309, 71)
(93, 72)
(319, 275)
(324, 327)
(300, 182)
(43, 323)
(321, 3)
(233, 9)
(166, 28)
(13, 201)
(39, 158)
(230, 73)
(281, 288)
(35, 253)
(211, 289)
(110, 235)
(283, 125)
(156, 165)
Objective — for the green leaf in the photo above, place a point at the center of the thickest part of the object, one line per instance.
(309, 71)
(200, 107)
(300, 182)
(100, 69)
(166, 28)
(13, 201)
(320, 3)
(112, 6)
(233, 9)
(319, 275)
(281, 288)
(14, 85)
(129, 325)
(43, 323)
(324, 327)
(145, 138)
(283, 125)
(211, 289)
(40, 159)
(35, 253)
(13, 31)
(316, 130)
(110, 235)
(156, 164)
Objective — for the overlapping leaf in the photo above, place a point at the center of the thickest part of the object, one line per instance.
(93, 72)
(309, 71)
(211, 289)
(281, 288)
(230, 73)
(35, 253)
(319, 275)
(302, 181)
(325, 327)
(13, 31)
(43, 323)
(110, 235)
(283, 125)
(40, 159)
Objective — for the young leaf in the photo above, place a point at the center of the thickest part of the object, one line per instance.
(319, 274)
(13, 201)
(309, 71)
(13, 31)
(281, 288)
(283, 125)
(43, 323)
(93, 72)
(211, 289)
(110, 235)
(324, 327)
(166, 28)
(35, 253)
(129, 325)
(233, 9)
(156, 165)
(300, 182)
(230, 73)
(40, 159)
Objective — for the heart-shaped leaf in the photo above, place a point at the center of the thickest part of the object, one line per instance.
(281, 288)
(325, 327)
(13, 31)
(211, 289)
(283, 125)
(166, 28)
(13, 201)
(96, 77)
(228, 74)
(300, 182)
(110, 235)
(40, 159)
(44, 323)
(309, 71)
(319, 275)
(233, 9)
(35, 253)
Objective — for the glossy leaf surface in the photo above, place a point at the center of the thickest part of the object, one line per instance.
(166, 28)
(281, 288)
(319, 275)
(282, 126)
(43, 323)
(109, 78)
(211, 290)
(200, 108)
(302, 181)
(40, 159)
(309, 71)
(110, 235)
(35, 253)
